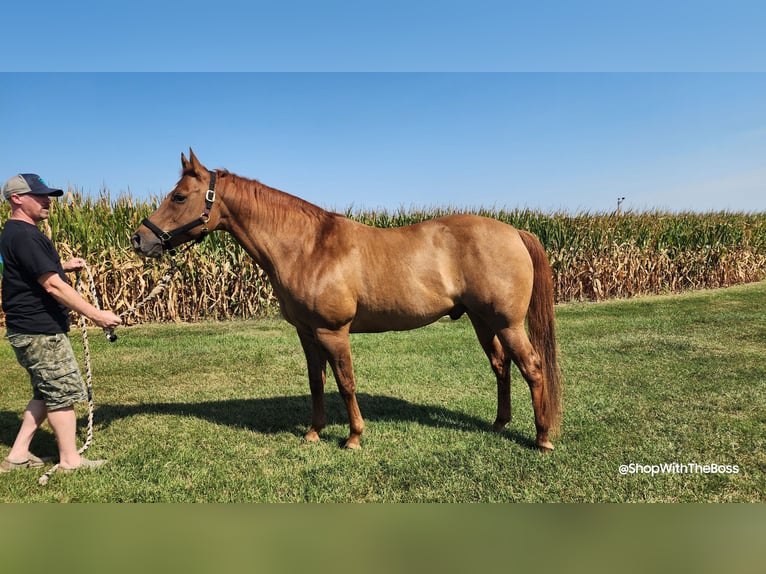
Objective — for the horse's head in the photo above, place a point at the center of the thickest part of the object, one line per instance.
(184, 215)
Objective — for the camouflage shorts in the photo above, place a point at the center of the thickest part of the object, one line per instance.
(52, 367)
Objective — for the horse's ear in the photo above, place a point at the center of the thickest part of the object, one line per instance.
(195, 164)
(184, 162)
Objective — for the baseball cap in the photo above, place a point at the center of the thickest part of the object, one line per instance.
(28, 183)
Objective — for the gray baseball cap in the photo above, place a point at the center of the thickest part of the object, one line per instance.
(28, 183)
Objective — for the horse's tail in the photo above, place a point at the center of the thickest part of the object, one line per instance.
(542, 328)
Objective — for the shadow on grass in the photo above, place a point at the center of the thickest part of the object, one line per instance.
(44, 442)
(279, 414)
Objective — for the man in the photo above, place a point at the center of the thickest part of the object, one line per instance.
(37, 298)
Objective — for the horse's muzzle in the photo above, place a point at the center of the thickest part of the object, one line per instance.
(147, 246)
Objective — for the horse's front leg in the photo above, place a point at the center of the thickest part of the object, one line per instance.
(317, 366)
(338, 348)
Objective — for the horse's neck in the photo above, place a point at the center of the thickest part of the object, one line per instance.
(273, 226)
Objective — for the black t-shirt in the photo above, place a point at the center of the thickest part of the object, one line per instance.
(27, 255)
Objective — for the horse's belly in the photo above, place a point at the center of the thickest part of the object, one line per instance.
(411, 295)
(401, 319)
(381, 324)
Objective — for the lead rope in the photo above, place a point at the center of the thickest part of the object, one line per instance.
(111, 337)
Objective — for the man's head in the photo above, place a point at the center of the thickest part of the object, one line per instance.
(30, 183)
(29, 196)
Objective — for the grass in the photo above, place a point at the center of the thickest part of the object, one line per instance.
(214, 412)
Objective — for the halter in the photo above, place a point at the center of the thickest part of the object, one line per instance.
(166, 236)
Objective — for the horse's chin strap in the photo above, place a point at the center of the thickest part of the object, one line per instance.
(166, 236)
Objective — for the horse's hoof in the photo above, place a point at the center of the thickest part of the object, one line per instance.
(311, 436)
(352, 445)
(545, 446)
(498, 426)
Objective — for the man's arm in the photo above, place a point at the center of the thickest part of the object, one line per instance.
(65, 294)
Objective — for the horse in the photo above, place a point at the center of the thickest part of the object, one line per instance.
(333, 276)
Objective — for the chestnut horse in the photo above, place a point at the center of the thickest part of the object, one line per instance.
(333, 276)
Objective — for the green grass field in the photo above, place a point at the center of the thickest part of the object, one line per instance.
(214, 412)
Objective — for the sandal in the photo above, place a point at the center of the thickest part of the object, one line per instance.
(33, 461)
(84, 463)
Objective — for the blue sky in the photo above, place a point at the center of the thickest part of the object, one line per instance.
(384, 35)
(416, 104)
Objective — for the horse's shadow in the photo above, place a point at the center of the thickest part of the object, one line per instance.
(283, 414)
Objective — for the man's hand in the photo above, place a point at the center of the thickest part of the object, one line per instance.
(74, 264)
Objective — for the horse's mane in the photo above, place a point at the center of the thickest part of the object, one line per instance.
(273, 203)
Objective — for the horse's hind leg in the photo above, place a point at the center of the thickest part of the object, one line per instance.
(338, 348)
(517, 345)
(500, 363)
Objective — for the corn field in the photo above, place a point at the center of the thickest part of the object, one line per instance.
(594, 256)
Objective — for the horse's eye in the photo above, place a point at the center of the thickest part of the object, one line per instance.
(179, 198)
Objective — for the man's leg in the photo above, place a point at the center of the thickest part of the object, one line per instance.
(64, 425)
(34, 416)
